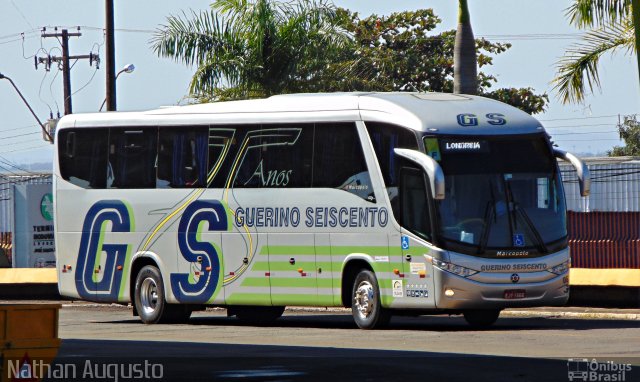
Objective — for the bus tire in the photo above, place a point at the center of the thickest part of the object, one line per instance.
(150, 302)
(258, 315)
(366, 305)
(481, 318)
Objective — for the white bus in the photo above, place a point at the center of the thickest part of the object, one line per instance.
(387, 203)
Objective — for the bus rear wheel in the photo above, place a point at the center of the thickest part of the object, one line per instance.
(481, 318)
(366, 305)
(150, 302)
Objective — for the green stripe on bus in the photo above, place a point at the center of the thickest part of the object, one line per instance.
(249, 298)
(324, 250)
(294, 299)
(301, 282)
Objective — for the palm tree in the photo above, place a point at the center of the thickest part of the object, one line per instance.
(465, 70)
(611, 28)
(251, 48)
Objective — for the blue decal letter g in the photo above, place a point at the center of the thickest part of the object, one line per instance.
(92, 281)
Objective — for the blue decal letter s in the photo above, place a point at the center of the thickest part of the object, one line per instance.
(213, 213)
(496, 119)
(88, 270)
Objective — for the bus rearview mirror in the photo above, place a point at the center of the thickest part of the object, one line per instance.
(582, 170)
(429, 166)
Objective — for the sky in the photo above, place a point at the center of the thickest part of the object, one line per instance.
(538, 30)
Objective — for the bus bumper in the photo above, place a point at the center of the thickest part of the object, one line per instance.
(454, 292)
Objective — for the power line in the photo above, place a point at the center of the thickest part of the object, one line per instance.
(586, 132)
(21, 14)
(21, 135)
(18, 128)
(571, 119)
(9, 163)
(24, 149)
(590, 140)
(564, 126)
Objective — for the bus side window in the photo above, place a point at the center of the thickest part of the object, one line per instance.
(338, 160)
(83, 159)
(132, 158)
(275, 156)
(182, 157)
(414, 205)
(385, 138)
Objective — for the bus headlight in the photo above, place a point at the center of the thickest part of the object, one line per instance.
(560, 268)
(453, 268)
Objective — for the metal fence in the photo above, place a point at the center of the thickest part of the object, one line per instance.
(7, 180)
(604, 227)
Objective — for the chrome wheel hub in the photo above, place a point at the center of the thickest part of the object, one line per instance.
(149, 295)
(364, 299)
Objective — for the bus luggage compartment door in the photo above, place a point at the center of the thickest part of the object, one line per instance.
(417, 274)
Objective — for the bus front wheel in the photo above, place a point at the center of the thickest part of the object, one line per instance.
(366, 305)
(151, 305)
(481, 318)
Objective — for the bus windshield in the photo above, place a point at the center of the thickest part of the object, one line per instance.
(503, 195)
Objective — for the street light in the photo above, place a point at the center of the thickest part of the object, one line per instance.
(127, 69)
(44, 130)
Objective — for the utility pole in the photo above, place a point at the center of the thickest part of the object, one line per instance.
(66, 72)
(111, 56)
(45, 133)
(64, 60)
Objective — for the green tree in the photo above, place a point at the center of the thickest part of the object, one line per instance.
(398, 53)
(250, 48)
(629, 132)
(464, 56)
(393, 53)
(610, 28)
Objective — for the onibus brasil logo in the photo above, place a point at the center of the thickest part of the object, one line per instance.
(584, 370)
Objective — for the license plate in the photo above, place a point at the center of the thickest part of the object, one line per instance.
(511, 294)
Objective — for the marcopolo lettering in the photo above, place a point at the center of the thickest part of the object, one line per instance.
(512, 253)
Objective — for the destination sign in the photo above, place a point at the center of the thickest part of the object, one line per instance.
(450, 146)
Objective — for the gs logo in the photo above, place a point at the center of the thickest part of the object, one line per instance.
(494, 119)
(104, 284)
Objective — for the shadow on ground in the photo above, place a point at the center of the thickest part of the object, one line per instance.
(421, 323)
(184, 361)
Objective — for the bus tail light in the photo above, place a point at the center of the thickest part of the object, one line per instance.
(453, 268)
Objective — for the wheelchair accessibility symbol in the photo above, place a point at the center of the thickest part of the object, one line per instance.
(405, 242)
(518, 240)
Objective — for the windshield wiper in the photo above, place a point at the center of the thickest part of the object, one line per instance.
(536, 235)
(489, 215)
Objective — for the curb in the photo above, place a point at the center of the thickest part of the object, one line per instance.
(505, 313)
(572, 315)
